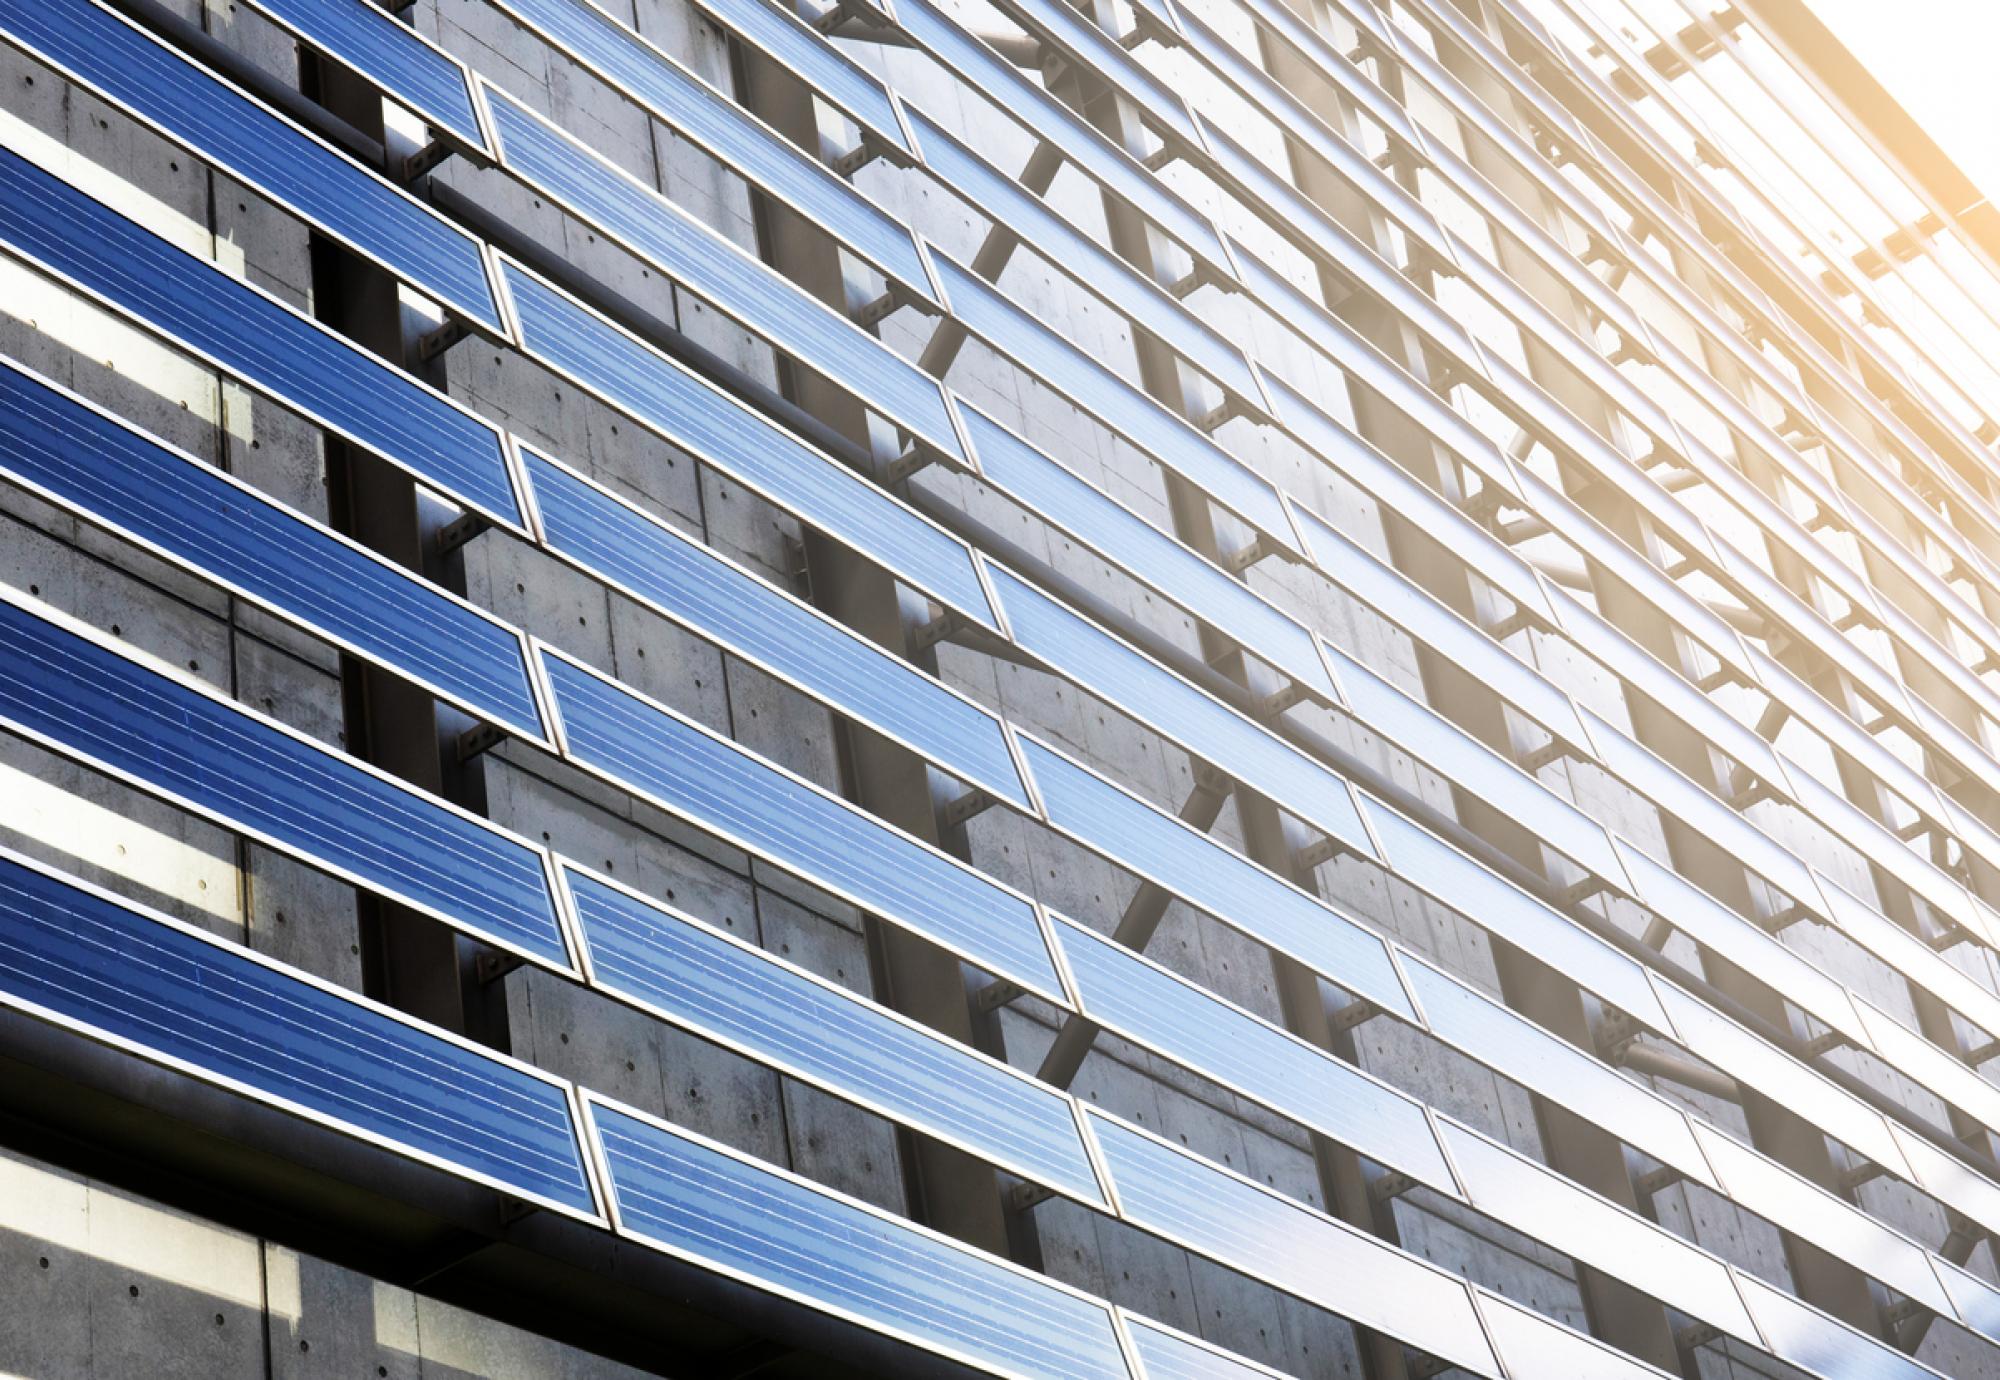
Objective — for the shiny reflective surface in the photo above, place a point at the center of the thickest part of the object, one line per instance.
(718, 986)
(703, 1203)
(250, 335)
(221, 124)
(88, 701)
(631, 375)
(80, 957)
(72, 453)
(748, 801)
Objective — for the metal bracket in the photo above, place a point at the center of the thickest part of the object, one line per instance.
(1517, 621)
(477, 739)
(995, 995)
(493, 964)
(867, 151)
(424, 159)
(1318, 853)
(1860, 1174)
(1278, 701)
(911, 462)
(458, 532)
(1247, 555)
(433, 343)
(1824, 1043)
(1218, 417)
(1394, 1184)
(925, 636)
(958, 811)
(1657, 1181)
(1352, 1016)
(1021, 1197)
(513, 1209)
(1697, 1335)
(1162, 158)
(1553, 751)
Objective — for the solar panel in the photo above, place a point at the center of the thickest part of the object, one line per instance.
(1390, 593)
(1504, 910)
(1205, 727)
(1552, 1067)
(1034, 221)
(1532, 1345)
(724, 129)
(1529, 1197)
(80, 457)
(728, 604)
(1144, 1003)
(713, 266)
(1093, 50)
(1831, 1223)
(1476, 768)
(1057, 495)
(757, 806)
(720, 431)
(208, 755)
(1820, 1345)
(808, 55)
(1098, 390)
(731, 992)
(700, 1202)
(1393, 486)
(1206, 1209)
(217, 122)
(78, 956)
(251, 335)
(414, 71)
(1752, 1061)
(1715, 926)
(1107, 164)
(1211, 877)
(1169, 1355)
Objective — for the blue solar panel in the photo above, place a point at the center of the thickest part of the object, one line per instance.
(1062, 27)
(740, 996)
(1208, 875)
(808, 55)
(209, 756)
(1390, 593)
(703, 114)
(1503, 909)
(414, 71)
(1820, 1345)
(1394, 487)
(250, 335)
(1059, 496)
(70, 452)
(1472, 765)
(1203, 726)
(633, 376)
(720, 1209)
(1098, 390)
(1170, 1016)
(728, 604)
(712, 265)
(1110, 166)
(1510, 1044)
(1193, 1203)
(203, 1005)
(1532, 1198)
(1007, 203)
(744, 799)
(1170, 1356)
(219, 123)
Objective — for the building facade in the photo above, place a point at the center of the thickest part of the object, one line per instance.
(1187, 688)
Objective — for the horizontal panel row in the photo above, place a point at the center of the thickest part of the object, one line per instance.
(117, 60)
(697, 111)
(253, 337)
(74, 454)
